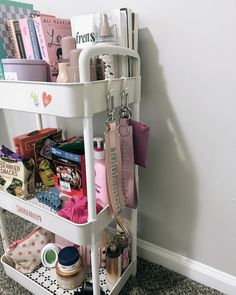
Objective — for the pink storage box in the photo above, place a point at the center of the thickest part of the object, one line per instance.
(24, 69)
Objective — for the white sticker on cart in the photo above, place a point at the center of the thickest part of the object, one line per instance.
(11, 76)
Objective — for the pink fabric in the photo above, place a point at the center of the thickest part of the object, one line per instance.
(76, 210)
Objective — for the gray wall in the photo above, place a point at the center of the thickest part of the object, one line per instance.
(187, 48)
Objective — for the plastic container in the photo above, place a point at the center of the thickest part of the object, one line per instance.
(69, 269)
(100, 172)
(24, 69)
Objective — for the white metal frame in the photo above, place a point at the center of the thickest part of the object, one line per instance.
(88, 97)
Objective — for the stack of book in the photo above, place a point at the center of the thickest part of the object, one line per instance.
(27, 34)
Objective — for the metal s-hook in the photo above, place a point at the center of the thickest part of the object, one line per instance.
(125, 111)
(110, 107)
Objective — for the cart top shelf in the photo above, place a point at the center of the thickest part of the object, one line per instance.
(73, 99)
(65, 99)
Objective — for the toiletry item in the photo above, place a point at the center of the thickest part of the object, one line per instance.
(62, 243)
(100, 172)
(93, 70)
(100, 69)
(24, 70)
(67, 44)
(124, 244)
(73, 69)
(49, 255)
(106, 33)
(70, 280)
(26, 252)
(68, 259)
(111, 66)
(69, 268)
(63, 76)
(113, 263)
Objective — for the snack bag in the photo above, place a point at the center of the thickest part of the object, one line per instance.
(42, 153)
(17, 173)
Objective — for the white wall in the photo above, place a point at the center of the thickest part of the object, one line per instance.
(188, 192)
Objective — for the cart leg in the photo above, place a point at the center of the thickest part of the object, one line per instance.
(88, 144)
(134, 241)
(3, 231)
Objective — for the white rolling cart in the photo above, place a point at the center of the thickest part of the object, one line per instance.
(68, 100)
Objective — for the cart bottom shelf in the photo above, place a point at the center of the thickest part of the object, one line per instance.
(43, 280)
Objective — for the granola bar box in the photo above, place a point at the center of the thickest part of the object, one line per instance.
(17, 173)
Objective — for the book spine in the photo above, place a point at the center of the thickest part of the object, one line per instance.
(34, 39)
(26, 38)
(41, 39)
(19, 38)
(13, 40)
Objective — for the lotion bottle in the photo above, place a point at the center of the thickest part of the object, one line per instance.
(100, 172)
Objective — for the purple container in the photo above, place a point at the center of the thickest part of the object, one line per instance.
(24, 69)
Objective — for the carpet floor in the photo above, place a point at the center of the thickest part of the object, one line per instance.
(151, 279)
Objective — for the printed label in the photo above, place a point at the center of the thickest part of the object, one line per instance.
(65, 186)
(29, 213)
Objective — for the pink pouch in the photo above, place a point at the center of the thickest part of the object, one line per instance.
(127, 160)
(26, 253)
(140, 141)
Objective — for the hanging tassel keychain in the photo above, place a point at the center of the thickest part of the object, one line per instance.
(127, 153)
(113, 160)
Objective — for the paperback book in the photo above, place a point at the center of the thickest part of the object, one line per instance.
(49, 32)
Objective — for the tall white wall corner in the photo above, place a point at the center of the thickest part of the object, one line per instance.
(192, 269)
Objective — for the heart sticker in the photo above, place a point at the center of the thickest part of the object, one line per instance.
(47, 98)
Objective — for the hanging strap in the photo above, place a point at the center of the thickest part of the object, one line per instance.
(113, 159)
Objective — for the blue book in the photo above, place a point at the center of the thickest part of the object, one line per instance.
(34, 39)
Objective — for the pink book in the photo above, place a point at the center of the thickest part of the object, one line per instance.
(26, 38)
(49, 31)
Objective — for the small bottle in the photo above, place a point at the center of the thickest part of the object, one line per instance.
(124, 245)
(100, 172)
(113, 263)
(106, 33)
(63, 73)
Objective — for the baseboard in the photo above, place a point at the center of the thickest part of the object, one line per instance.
(194, 270)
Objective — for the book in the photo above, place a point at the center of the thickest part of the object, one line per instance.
(83, 30)
(13, 40)
(11, 10)
(49, 32)
(26, 38)
(135, 26)
(34, 39)
(19, 38)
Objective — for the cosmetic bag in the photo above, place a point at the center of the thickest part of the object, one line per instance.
(140, 141)
(26, 253)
